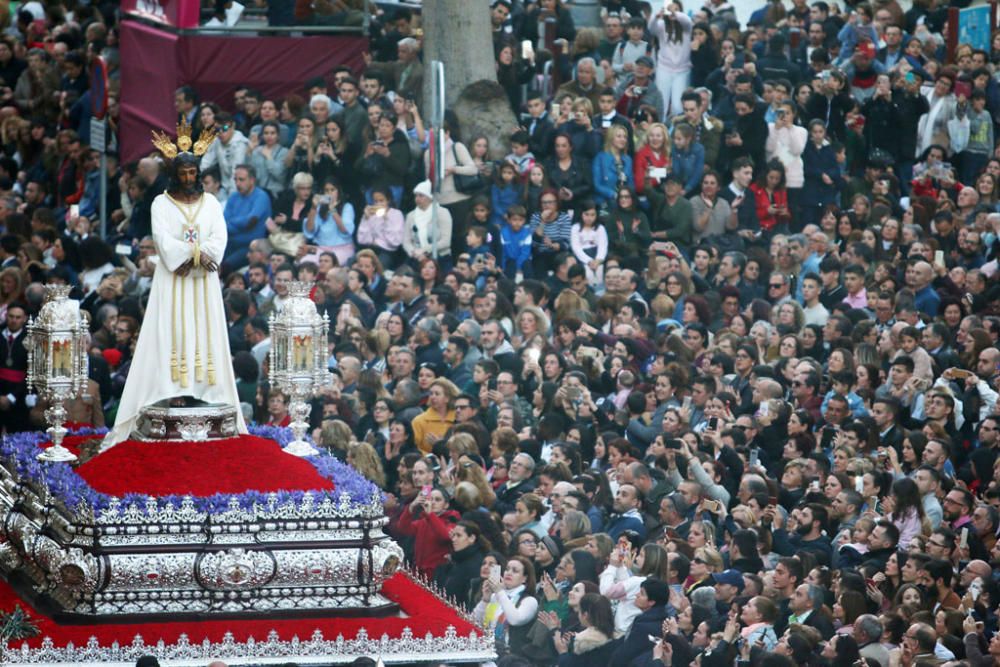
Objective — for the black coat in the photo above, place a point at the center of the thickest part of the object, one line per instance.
(594, 657)
(578, 178)
(13, 368)
(636, 642)
(507, 497)
(456, 576)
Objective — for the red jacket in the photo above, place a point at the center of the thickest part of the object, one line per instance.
(432, 537)
(768, 221)
(645, 159)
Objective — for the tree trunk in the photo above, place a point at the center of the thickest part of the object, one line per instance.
(457, 32)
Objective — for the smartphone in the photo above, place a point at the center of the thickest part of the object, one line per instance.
(527, 50)
(655, 640)
(754, 457)
(673, 443)
(573, 393)
(74, 211)
(764, 409)
(939, 257)
(123, 249)
(713, 423)
(426, 489)
(772, 500)
(687, 403)
(658, 172)
(491, 384)
(495, 571)
(827, 438)
(963, 541)
(554, 111)
(963, 89)
(814, 485)
(711, 505)
(859, 484)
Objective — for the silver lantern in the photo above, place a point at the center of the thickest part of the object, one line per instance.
(57, 362)
(298, 361)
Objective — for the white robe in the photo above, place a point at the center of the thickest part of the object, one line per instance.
(149, 380)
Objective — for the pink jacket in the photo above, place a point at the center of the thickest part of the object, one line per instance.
(383, 231)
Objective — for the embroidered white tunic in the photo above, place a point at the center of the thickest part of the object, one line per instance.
(183, 346)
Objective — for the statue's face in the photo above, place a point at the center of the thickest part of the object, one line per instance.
(187, 177)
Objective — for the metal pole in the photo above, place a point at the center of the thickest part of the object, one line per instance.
(103, 206)
(437, 122)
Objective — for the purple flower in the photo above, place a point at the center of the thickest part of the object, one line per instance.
(19, 452)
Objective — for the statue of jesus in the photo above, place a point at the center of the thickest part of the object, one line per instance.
(183, 346)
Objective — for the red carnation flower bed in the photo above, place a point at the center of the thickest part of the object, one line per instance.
(233, 465)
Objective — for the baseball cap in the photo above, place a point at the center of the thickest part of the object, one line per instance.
(730, 577)
(645, 60)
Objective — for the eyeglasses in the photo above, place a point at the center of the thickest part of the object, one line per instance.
(226, 127)
(776, 286)
(527, 542)
(465, 406)
(937, 544)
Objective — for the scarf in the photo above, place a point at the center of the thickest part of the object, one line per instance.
(422, 225)
(925, 128)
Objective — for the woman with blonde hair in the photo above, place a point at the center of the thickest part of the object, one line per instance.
(530, 321)
(470, 472)
(654, 154)
(364, 459)
(569, 304)
(612, 168)
(468, 497)
(431, 425)
(11, 288)
(574, 530)
(335, 435)
(461, 444)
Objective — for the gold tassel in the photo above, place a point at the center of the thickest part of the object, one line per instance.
(174, 370)
(208, 333)
(199, 371)
(184, 366)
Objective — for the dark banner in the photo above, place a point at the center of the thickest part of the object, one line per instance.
(155, 63)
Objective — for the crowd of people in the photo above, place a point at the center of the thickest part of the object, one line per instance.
(703, 370)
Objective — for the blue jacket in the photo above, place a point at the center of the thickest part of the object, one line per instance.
(516, 245)
(246, 218)
(606, 176)
(623, 522)
(502, 199)
(815, 163)
(690, 165)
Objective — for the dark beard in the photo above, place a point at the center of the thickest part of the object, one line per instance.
(803, 530)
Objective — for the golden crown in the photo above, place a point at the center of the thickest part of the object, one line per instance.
(169, 149)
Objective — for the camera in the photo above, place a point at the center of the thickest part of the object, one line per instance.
(780, 113)
(324, 199)
(638, 90)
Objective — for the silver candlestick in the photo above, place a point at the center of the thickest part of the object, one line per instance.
(298, 361)
(57, 362)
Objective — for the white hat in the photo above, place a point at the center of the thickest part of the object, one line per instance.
(423, 188)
